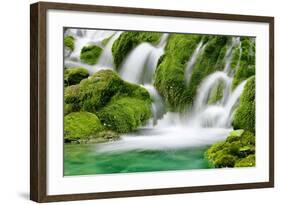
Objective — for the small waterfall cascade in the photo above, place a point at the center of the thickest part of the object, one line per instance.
(142, 72)
(91, 37)
(203, 124)
(190, 64)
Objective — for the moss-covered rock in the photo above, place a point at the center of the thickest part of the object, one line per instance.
(121, 106)
(69, 42)
(216, 93)
(170, 80)
(71, 99)
(169, 76)
(246, 66)
(125, 114)
(249, 161)
(73, 76)
(129, 40)
(235, 151)
(81, 125)
(245, 114)
(90, 54)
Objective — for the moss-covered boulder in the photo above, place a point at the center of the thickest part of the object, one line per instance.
(246, 66)
(69, 42)
(249, 161)
(125, 114)
(236, 151)
(71, 99)
(245, 115)
(121, 106)
(73, 76)
(90, 54)
(81, 126)
(216, 93)
(128, 41)
(170, 80)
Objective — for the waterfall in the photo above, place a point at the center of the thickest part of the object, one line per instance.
(190, 64)
(90, 37)
(146, 55)
(203, 124)
(207, 85)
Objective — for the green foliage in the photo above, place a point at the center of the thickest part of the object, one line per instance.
(69, 42)
(125, 114)
(81, 125)
(129, 40)
(216, 93)
(170, 80)
(246, 66)
(73, 76)
(236, 151)
(169, 76)
(244, 115)
(90, 54)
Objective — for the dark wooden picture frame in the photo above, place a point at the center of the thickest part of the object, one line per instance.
(38, 100)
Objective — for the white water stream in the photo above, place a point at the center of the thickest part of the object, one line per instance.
(203, 124)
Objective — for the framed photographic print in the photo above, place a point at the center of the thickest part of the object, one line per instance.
(134, 102)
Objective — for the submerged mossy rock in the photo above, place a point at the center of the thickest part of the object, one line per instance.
(245, 115)
(74, 75)
(121, 106)
(235, 151)
(128, 41)
(69, 42)
(170, 74)
(216, 93)
(125, 114)
(90, 54)
(81, 126)
(246, 67)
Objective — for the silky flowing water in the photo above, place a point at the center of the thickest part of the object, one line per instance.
(169, 141)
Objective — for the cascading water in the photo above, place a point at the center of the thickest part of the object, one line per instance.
(190, 64)
(91, 37)
(204, 124)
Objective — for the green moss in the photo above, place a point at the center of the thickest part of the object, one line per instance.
(249, 161)
(246, 66)
(236, 148)
(170, 80)
(225, 161)
(81, 125)
(120, 105)
(129, 40)
(73, 76)
(69, 42)
(211, 60)
(90, 54)
(244, 115)
(169, 76)
(71, 99)
(235, 57)
(216, 93)
(125, 114)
